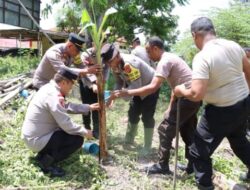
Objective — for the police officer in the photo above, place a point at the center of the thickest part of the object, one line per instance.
(61, 55)
(221, 77)
(247, 51)
(131, 72)
(48, 130)
(175, 71)
(141, 52)
(88, 92)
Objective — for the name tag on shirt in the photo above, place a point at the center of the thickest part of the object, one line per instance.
(132, 72)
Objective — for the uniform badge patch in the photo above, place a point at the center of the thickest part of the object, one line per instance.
(132, 72)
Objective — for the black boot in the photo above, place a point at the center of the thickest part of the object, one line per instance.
(46, 165)
(158, 169)
(246, 177)
(201, 187)
(187, 168)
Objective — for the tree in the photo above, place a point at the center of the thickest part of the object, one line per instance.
(98, 36)
(232, 23)
(150, 17)
(67, 18)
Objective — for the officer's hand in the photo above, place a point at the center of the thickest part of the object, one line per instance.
(95, 88)
(94, 69)
(178, 90)
(95, 106)
(89, 134)
(110, 100)
(121, 93)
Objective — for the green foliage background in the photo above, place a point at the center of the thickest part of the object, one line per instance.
(145, 16)
(232, 23)
(12, 66)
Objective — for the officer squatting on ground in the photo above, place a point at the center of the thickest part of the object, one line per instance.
(48, 130)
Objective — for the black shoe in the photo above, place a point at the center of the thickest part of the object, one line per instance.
(248, 132)
(46, 164)
(157, 169)
(245, 177)
(38, 157)
(54, 171)
(201, 187)
(188, 169)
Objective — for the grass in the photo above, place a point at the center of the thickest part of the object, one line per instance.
(18, 169)
(12, 66)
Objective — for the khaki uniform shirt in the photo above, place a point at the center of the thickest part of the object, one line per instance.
(141, 52)
(90, 79)
(134, 74)
(51, 62)
(220, 62)
(46, 114)
(174, 70)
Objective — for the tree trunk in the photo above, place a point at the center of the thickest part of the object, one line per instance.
(102, 113)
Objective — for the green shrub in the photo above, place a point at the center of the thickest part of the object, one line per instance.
(12, 66)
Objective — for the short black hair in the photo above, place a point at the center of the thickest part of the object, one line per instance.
(246, 49)
(59, 78)
(203, 25)
(156, 41)
(136, 40)
(65, 74)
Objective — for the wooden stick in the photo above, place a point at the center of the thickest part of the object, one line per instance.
(15, 92)
(12, 88)
(13, 81)
(176, 141)
(3, 82)
(5, 94)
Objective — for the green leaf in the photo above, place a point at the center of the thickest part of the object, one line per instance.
(85, 17)
(110, 11)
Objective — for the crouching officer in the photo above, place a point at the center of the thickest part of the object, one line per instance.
(132, 72)
(48, 130)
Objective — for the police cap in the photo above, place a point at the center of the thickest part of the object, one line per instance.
(108, 52)
(67, 73)
(77, 40)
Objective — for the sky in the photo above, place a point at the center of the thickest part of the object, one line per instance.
(194, 9)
